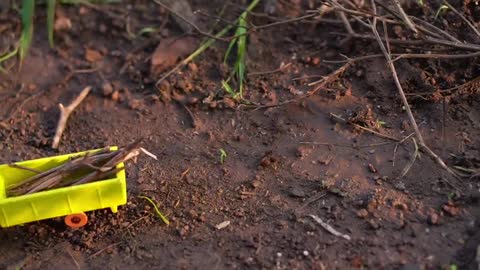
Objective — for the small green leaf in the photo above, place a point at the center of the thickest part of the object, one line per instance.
(147, 30)
(50, 20)
(229, 49)
(28, 9)
(228, 89)
(441, 10)
(223, 156)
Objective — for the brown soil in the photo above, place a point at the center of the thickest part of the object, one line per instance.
(271, 181)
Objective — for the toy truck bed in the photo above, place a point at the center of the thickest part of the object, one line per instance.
(65, 201)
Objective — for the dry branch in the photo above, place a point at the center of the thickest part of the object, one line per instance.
(391, 66)
(404, 16)
(65, 113)
(329, 228)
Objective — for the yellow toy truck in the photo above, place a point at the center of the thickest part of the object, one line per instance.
(71, 202)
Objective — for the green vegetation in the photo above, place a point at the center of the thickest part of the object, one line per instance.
(27, 13)
(239, 66)
(159, 214)
(441, 10)
(223, 155)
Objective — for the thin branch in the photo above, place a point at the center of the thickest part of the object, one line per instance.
(391, 66)
(404, 16)
(462, 17)
(365, 128)
(428, 40)
(65, 113)
(399, 56)
(433, 28)
(13, 165)
(329, 228)
(285, 21)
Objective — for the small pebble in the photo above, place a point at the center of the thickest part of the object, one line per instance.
(362, 213)
(107, 89)
(433, 218)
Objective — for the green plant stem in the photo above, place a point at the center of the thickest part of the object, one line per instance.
(160, 215)
(240, 40)
(28, 9)
(50, 20)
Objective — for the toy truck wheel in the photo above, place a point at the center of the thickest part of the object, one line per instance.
(76, 220)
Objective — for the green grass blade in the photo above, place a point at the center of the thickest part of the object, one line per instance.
(50, 20)
(241, 51)
(160, 215)
(240, 40)
(229, 49)
(8, 55)
(28, 9)
(441, 10)
(228, 89)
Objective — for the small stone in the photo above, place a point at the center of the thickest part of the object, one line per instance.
(362, 213)
(306, 253)
(400, 185)
(32, 86)
(229, 102)
(451, 210)
(222, 225)
(371, 168)
(359, 73)
(193, 67)
(373, 224)
(303, 151)
(134, 104)
(102, 28)
(433, 218)
(371, 151)
(372, 205)
(107, 89)
(93, 55)
(401, 206)
(256, 183)
(193, 213)
(62, 23)
(183, 231)
(296, 193)
(115, 95)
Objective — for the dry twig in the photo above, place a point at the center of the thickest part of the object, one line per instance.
(78, 170)
(329, 228)
(65, 113)
(463, 18)
(391, 66)
(404, 16)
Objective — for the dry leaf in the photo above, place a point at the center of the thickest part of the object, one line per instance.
(93, 55)
(170, 50)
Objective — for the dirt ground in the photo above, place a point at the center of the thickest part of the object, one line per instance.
(283, 164)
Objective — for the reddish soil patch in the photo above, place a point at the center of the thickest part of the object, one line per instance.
(271, 180)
